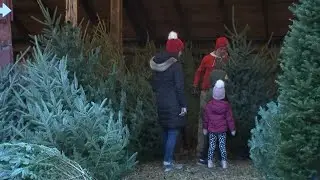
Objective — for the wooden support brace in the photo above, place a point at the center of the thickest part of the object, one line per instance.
(6, 52)
(72, 11)
(116, 21)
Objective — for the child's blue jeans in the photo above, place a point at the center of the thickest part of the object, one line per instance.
(169, 143)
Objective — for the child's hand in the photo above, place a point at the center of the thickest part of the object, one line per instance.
(205, 132)
(233, 133)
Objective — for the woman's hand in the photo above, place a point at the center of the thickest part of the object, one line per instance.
(183, 112)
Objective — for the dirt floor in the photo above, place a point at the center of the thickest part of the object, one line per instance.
(238, 170)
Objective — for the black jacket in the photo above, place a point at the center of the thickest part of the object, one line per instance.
(168, 86)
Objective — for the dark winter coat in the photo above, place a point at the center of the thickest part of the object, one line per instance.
(168, 86)
(218, 117)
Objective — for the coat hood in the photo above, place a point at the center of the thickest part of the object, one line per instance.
(218, 106)
(162, 61)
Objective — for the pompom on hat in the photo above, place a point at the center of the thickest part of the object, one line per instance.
(174, 44)
(218, 91)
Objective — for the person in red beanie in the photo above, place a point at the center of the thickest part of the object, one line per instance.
(168, 86)
(207, 72)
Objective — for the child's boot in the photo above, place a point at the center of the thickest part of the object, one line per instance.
(224, 164)
(210, 164)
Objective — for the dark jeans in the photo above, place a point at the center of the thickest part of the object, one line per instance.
(169, 142)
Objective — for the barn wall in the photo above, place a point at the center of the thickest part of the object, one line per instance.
(202, 19)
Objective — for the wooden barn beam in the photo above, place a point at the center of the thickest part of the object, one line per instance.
(116, 21)
(89, 9)
(6, 51)
(72, 8)
(138, 17)
(183, 18)
(265, 11)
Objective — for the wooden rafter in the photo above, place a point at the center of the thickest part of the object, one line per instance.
(89, 9)
(183, 17)
(265, 10)
(116, 21)
(72, 11)
(138, 17)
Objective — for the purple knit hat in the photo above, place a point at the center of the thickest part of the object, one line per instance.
(218, 91)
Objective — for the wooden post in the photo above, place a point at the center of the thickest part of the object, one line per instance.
(116, 19)
(6, 52)
(72, 11)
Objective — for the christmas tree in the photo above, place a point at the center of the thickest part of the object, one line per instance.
(300, 94)
(189, 68)
(251, 83)
(31, 161)
(103, 71)
(265, 140)
(55, 112)
(10, 82)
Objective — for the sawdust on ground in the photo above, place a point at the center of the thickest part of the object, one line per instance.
(237, 170)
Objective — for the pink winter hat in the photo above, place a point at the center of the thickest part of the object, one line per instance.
(218, 91)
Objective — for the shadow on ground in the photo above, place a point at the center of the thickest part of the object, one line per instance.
(238, 170)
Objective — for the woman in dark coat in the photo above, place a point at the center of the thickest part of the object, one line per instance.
(168, 86)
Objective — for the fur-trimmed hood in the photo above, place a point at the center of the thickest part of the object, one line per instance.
(162, 61)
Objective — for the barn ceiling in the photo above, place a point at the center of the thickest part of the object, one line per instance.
(198, 20)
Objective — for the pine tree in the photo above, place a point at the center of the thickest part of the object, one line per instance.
(56, 113)
(265, 140)
(103, 72)
(251, 84)
(31, 161)
(189, 68)
(300, 94)
(10, 79)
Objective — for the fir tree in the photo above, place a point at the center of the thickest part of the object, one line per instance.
(55, 113)
(10, 119)
(31, 161)
(103, 72)
(189, 68)
(251, 73)
(300, 94)
(62, 117)
(265, 140)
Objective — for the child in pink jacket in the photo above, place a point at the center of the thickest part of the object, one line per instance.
(217, 120)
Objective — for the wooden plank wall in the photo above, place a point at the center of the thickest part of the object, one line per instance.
(205, 18)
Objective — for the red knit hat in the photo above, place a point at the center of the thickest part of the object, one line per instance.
(174, 44)
(221, 42)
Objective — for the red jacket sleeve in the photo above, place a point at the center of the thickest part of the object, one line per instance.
(206, 117)
(201, 69)
(230, 120)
